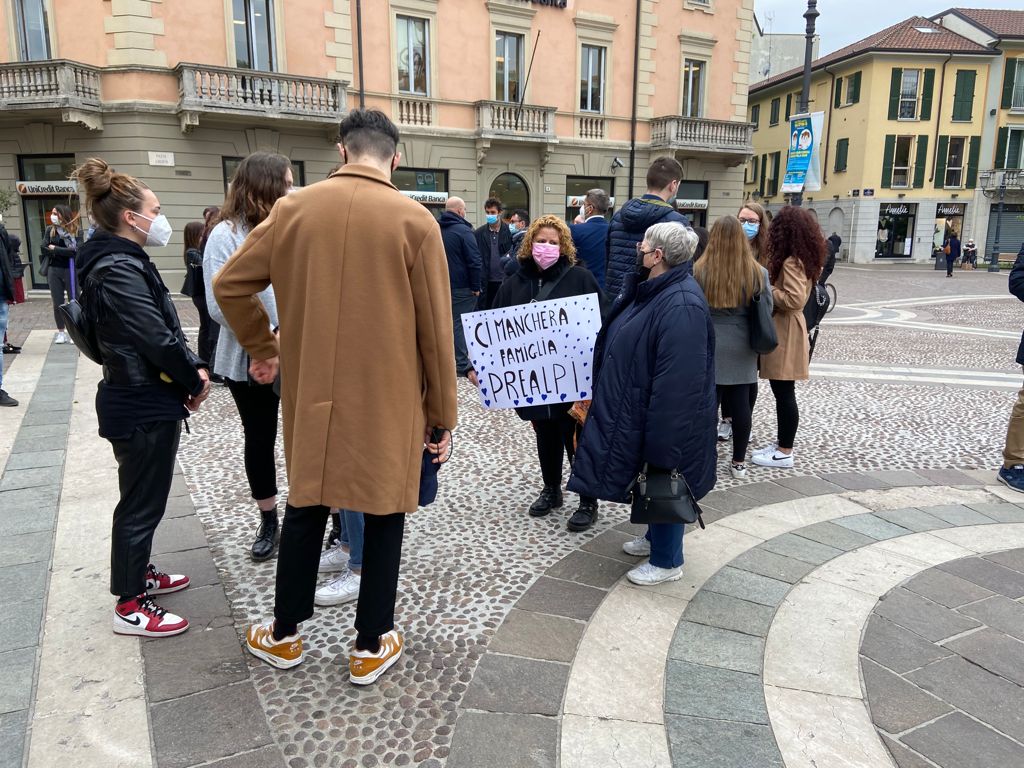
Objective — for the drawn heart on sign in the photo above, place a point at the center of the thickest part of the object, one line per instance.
(515, 402)
(543, 397)
(487, 403)
(483, 390)
(583, 395)
(529, 399)
(563, 396)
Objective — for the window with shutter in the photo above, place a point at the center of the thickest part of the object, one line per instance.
(920, 161)
(963, 96)
(895, 86)
(926, 94)
(940, 161)
(764, 172)
(887, 158)
(909, 87)
(1001, 140)
(1010, 79)
(838, 102)
(755, 116)
(774, 117)
(789, 105)
(973, 155)
(842, 151)
(853, 89)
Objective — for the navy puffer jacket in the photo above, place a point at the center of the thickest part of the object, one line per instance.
(627, 229)
(654, 390)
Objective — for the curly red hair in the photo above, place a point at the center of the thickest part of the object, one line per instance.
(795, 233)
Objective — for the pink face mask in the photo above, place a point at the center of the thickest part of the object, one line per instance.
(545, 254)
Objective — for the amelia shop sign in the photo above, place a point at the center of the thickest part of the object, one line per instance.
(896, 210)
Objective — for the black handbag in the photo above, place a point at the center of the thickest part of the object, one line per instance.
(663, 496)
(81, 330)
(44, 263)
(763, 336)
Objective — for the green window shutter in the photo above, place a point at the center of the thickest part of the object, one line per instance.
(855, 88)
(839, 92)
(963, 97)
(789, 105)
(888, 152)
(1003, 138)
(774, 119)
(764, 172)
(973, 155)
(894, 93)
(941, 152)
(926, 94)
(755, 116)
(842, 151)
(921, 161)
(1009, 75)
(776, 158)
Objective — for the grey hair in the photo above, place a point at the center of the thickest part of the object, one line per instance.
(599, 199)
(676, 241)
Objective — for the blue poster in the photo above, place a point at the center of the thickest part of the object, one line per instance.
(801, 145)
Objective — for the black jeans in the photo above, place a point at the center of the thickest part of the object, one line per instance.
(258, 407)
(59, 280)
(486, 298)
(738, 401)
(302, 536)
(555, 438)
(949, 263)
(145, 467)
(209, 330)
(786, 411)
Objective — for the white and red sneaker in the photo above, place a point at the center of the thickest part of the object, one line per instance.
(158, 583)
(141, 616)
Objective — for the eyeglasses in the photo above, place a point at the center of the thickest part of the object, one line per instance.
(749, 221)
(640, 249)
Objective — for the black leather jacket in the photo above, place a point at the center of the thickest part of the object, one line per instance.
(137, 327)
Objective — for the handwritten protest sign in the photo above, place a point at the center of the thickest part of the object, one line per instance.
(534, 354)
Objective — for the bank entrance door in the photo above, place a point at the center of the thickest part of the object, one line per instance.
(42, 184)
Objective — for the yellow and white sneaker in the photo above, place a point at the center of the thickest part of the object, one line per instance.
(283, 654)
(365, 667)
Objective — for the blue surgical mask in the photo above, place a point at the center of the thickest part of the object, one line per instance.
(492, 218)
(513, 227)
(751, 228)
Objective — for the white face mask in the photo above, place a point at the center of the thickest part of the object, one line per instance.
(55, 220)
(159, 231)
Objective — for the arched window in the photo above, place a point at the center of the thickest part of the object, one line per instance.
(512, 191)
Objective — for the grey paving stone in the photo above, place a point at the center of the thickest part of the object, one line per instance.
(515, 685)
(28, 499)
(985, 573)
(904, 757)
(899, 478)
(716, 647)
(970, 688)
(267, 757)
(791, 545)
(960, 742)
(203, 607)
(193, 662)
(898, 649)
(873, 526)
(35, 459)
(537, 636)
(16, 670)
(37, 418)
(729, 613)
(834, 536)
(515, 741)
(809, 486)
(15, 479)
(25, 548)
(947, 477)
(590, 569)
(610, 544)
(958, 514)
(23, 582)
(561, 598)
(767, 493)
(13, 727)
(1012, 558)
(912, 519)
(696, 742)
(28, 519)
(765, 563)
(1001, 512)
(178, 486)
(207, 726)
(20, 624)
(55, 397)
(854, 481)
(992, 650)
(728, 502)
(748, 586)
(719, 694)
(1000, 613)
(179, 506)
(895, 704)
(197, 564)
(929, 620)
(946, 589)
(33, 445)
(632, 529)
(178, 534)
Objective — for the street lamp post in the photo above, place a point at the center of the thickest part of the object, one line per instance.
(811, 14)
(993, 265)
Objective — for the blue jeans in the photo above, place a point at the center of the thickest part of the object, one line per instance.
(666, 544)
(463, 301)
(4, 314)
(352, 536)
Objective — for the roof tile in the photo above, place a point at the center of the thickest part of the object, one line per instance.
(1002, 23)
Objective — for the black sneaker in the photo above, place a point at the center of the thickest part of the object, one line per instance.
(10, 349)
(550, 498)
(6, 400)
(584, 517)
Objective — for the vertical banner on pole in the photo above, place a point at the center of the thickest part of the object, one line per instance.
(803, 164)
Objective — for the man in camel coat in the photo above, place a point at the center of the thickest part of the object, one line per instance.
(367, 370)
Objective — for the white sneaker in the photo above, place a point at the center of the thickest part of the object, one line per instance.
(647, 574)
(60, 338)
(766, 449)
(332, 560)
(343, 589)
(773, 459)
(638, 547)
(724, 430)
(739, 471)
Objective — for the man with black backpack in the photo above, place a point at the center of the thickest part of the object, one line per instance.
(7, 269)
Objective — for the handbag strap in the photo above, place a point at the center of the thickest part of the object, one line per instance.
(548, 288)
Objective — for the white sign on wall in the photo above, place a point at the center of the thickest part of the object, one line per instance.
(534, 354)
(165, 159)
(46, 188)
(575, 201)
(427, 198)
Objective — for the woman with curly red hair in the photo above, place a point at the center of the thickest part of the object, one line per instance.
(796, 254)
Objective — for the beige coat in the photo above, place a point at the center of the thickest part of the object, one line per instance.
(789, 361)
(367, 358)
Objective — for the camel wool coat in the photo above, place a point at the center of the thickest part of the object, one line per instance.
(367, 357)
(791, 359)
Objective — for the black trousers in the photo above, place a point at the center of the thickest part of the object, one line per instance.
(302, 536)
(786, 411)
(145, 467)
(209, 330)
(258, 406)
(59, 281)
(486, 298)
(738, 400)
(555, 439)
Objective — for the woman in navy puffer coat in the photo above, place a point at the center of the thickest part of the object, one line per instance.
(654, 392)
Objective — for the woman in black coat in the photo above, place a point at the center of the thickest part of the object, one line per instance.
(548, 270)
(60, 243)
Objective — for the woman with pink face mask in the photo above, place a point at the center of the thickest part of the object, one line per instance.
(548, 270)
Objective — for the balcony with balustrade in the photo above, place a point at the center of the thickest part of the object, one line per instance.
(517, 122)
(703, 137)
(226, 92)
(54, 85)
(1010, 179)
(414, 111)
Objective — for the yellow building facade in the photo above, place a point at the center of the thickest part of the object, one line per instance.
(910, 142)
(534, 101)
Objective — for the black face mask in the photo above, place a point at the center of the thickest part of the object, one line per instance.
(641, 270)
